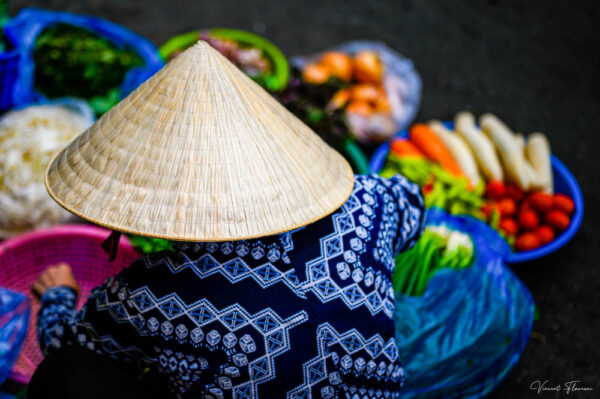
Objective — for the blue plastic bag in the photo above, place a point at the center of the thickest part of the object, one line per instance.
(14, 319)
(466, 333)
(23, 30)
(9, 70)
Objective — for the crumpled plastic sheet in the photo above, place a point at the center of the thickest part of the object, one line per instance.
(467, 332)
(14, 318)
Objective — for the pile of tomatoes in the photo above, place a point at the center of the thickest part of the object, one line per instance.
(530, 220)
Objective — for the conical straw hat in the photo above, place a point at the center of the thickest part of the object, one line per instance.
(199, 153)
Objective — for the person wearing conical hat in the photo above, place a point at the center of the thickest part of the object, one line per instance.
(279, 285)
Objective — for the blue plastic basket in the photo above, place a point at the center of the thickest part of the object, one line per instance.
(23, 30)
(564, 182)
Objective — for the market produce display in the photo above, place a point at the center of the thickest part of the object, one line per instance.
(490, 173)
(256, 56)
(441, 188)
(28, 140)
(72, 61)
(452, 288)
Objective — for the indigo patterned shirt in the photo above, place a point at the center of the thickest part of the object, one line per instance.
(303, 314)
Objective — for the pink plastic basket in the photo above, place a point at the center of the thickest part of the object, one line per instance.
(23, 258)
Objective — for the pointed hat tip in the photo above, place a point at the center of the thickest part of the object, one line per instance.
(201, 46)
(199, 49)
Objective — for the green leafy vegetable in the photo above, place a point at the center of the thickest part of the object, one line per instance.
(101, 104)
(441, 188)
(148, 245)
(4, 17)
(71, 61)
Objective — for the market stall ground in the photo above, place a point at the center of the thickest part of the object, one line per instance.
(534, 64)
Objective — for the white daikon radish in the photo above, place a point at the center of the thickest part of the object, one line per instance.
(459, 150)
(481, 147)
(538, 154)
(511, 153)
(535, 181)
(520, 141)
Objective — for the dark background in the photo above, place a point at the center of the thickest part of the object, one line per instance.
(533, 63)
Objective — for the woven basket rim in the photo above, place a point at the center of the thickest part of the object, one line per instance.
(61, 230)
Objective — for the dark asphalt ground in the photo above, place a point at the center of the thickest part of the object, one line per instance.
(533, 63)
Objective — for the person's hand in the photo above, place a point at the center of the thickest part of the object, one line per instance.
(55, 276)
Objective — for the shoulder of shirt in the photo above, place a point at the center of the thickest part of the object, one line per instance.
(146, 264)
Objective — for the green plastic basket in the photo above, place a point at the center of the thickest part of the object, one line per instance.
(275, 81)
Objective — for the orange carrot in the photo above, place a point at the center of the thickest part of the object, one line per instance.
(433, 148)
(406, 149)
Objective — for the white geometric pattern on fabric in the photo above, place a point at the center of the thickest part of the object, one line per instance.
(234, 270)
(84, 332)
(353, 219)
(273, 329)
(356, 356)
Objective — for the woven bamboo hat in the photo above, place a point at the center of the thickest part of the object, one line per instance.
(199, 152)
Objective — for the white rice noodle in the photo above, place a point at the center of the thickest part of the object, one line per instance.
(28, 140)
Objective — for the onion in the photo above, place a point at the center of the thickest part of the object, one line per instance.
(315, 74)
(338, 63)
(368, 67)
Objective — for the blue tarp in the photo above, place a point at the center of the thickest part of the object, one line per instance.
(14, 318)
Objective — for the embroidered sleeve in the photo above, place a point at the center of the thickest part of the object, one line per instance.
(108, 313)
(57, 309)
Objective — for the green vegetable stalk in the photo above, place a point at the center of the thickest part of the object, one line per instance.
(438, 248)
